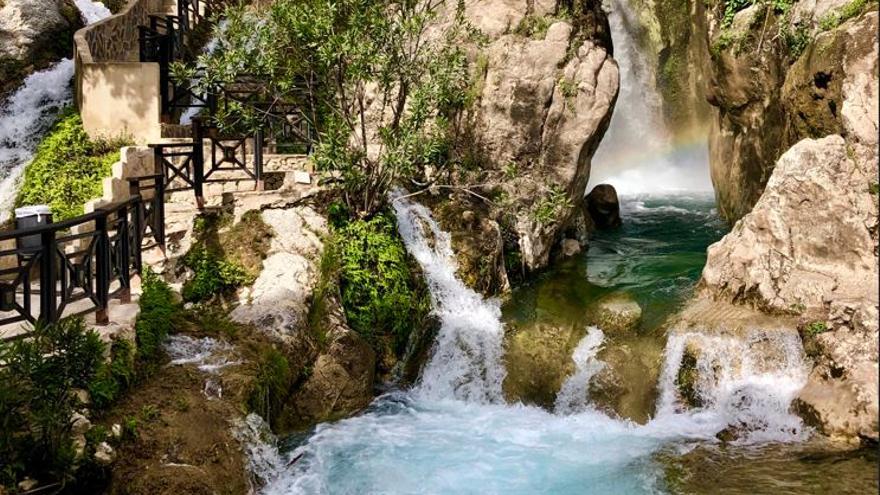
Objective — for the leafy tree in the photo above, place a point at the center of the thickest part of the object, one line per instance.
(382, 83)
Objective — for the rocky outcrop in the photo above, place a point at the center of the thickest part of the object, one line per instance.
(278, 301)
(603, 207)
(617, 313)
(33, 34)
(810, 247)
(778, 78)
(341, 378)
(545, 85)
(538, 360)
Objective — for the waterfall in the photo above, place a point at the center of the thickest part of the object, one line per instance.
(29, 112)
(466, 359)
(572, 396)
(747, 381)
(639, 153)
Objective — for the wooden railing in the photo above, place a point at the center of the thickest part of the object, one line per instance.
(90, 258)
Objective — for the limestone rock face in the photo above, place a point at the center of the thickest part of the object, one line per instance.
(810, 246)
(34, 33)
(341, 381)
(768, 98)
(811, 239)
(278, 302)
(543, 102)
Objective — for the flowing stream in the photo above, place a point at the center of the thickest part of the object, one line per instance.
(454, 432)
(29, 112)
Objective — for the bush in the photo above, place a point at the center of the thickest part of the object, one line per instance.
(158, 316)
(113, 376)
(67, 168)
(37, 400)
(380, 294)
(212, 275)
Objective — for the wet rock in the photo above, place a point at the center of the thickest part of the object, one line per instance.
(341, 378)
(603, 206)
(626, 386)
(687, 377)
(104, 454)
(538, 360)
(27, 484)
(570, 247)
(617, 313)
(33, 34)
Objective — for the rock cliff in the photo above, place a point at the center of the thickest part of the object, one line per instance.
(545, 86)
(33, 34)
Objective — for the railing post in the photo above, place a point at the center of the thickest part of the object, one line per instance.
(159, 212)
(124, 254)
(198, 162)
(48, 278)
(137, 238)
(258, 159)
(164, 77)
(102, 269)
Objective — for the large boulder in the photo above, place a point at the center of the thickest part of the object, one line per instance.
(545, 86)
(33, 34)
(616, 313)
(810, 247)
(538, 359)
(604, 207)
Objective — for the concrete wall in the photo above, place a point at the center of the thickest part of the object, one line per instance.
(116, 94)
(121, 99)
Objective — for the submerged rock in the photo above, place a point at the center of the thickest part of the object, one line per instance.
(538, 360)
(617, 313)
(626, 386)
(604, 207)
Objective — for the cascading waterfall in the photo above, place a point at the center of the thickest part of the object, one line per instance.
(27, 114)
(638, 153)
(747, 381)
(572, 396)
(466, 359)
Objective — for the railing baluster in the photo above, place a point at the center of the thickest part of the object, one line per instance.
(124, 254)
(198, 162)
(102, 268)
(258, 159)
(48, 278)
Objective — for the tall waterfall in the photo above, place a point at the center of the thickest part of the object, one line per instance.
(27, 114)
(466, 360)
(638, 153)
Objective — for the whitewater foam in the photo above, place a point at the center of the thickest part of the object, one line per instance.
(465, 363)
(27, 114)
(572, 396)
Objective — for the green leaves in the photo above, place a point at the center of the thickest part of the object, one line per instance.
(67, 168)
(380, 91)
(212, 275)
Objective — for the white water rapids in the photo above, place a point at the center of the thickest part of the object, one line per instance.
(29, 112)
(453, 432)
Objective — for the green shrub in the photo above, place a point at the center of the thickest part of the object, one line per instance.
(159, 313)
(533, 26)
(67, 168)
(212, 275)
(380, 294)
(270, 385)
(113, 376)
(37, 400)
(548, 207)
(842, 14)
(814, 328)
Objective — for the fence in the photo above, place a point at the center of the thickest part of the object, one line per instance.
(79, 265)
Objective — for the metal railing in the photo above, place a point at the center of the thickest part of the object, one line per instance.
(90, 258)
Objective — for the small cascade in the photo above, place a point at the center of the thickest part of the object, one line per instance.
(29, 112)
(466, 361)
(746, 382)
(261, 448)
(572, 397)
